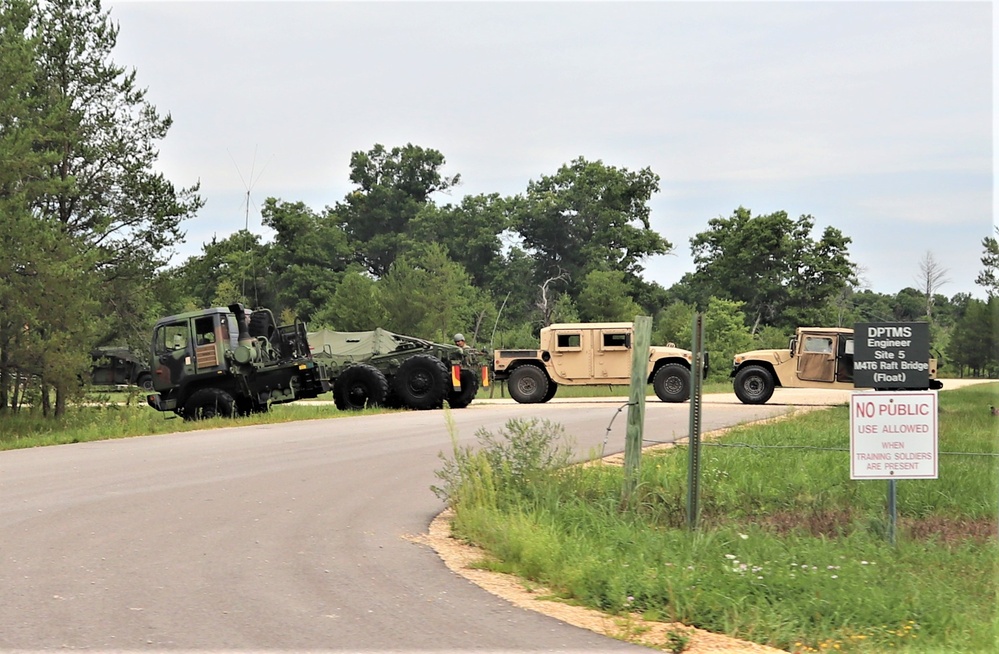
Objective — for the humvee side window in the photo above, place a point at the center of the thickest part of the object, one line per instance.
(848, 347)
(572, 341)
(615, 340)
(171, 337)
(821, 344)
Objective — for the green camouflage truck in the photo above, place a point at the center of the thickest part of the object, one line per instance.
(228, 361)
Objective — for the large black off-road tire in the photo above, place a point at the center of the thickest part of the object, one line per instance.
(144, 381)
(529, 385)
(247, 407)
(672, 383)
(208, 403)
(422, 382)
(393, 401)
(754, 385)
(469, 387)
(360, 386)
(261, 324)
(552, 389)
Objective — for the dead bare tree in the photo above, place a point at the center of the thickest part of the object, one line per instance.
(931, 277)
(546, 304)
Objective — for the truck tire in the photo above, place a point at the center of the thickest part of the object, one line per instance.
(529, 385)
(261, 324)
(144, 381)
(208, 403)
(358, 387)
(754, 385)
(422, 382)
(552, 389)
(469, 387)
(672, 383)
(247, 407)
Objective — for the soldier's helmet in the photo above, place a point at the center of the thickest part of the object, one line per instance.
(458, 337)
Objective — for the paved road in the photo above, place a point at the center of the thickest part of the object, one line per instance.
(275, 537)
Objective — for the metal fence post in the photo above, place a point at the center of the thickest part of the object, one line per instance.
(694, 470)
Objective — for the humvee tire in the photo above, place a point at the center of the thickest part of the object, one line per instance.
(754, 385)
(144, 381)
(422, 382)
(552, 389)
(528, 385)
(360, 386)
(207, 403)
(672, 383)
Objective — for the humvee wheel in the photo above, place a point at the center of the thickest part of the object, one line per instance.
(469, 387)
(754, 385)
(528, 385)
(422, 382)
(552, 389)
(360, 386)
(672, 383)
(144, 381)
(209, 403)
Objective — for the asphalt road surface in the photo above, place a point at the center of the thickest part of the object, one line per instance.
(276, 537)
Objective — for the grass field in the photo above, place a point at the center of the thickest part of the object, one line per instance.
(789, 552)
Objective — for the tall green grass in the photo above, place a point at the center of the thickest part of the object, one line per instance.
(788, 552)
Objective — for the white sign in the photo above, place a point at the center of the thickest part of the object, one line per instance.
(893, 435)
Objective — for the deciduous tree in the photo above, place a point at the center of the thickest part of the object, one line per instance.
(588, 216)
(392, 187)
(772, 264)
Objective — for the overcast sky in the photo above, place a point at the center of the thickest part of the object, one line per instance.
(874, 118)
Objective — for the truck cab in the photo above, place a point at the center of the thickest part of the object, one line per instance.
(228, 361)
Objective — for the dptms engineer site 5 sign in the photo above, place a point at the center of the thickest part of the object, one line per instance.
(893, 435)
(891, 356)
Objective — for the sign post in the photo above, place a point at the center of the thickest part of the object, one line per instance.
(893, 436)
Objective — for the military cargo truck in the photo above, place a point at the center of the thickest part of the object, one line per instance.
(816, 357)
(590, 354)
(382, 368)
(228, 361)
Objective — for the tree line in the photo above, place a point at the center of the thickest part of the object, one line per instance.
(88, 229)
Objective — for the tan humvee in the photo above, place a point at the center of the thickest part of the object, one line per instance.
(589, 354)
(816, 357)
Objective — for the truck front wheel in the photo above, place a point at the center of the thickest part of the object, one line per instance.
(672, 383)
(209, 403)
(360, 386)
(528, 385)
(754, 385)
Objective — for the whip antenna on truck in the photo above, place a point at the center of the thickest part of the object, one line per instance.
(246, 215)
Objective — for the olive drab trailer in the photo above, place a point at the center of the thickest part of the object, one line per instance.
(816, 357)
(228, 361)
(382, 368)
(590, 354)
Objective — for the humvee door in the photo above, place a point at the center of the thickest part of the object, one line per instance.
(817, 357)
